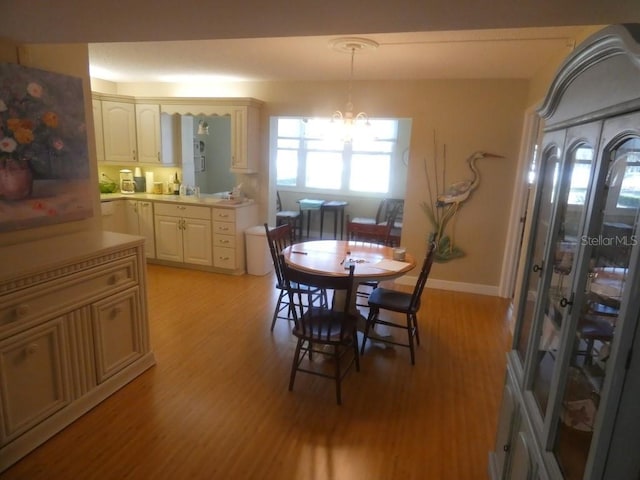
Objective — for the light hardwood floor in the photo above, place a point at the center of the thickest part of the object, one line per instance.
(216, 405)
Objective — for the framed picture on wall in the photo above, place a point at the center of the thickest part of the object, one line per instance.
(44, 158)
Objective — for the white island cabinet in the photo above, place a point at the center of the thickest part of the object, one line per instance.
(198, 235)
(183, 233)
(73, 330)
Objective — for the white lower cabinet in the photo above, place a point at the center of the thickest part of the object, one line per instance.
(114, 217)
(116, 336)
(183, 234)
(73, 330)
(34, 373)
(140, 221)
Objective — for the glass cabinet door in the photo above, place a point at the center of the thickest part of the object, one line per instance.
(547, 181)
(561, 254)
(608, 246)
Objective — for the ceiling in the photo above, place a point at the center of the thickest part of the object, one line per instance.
(504, 53)
(284, 40)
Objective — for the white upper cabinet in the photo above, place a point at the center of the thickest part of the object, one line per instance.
(119, 128)
(97, 125)
(245, 123)
(244, 139)
(148, 133)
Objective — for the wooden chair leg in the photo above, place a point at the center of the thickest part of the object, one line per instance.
(410, 335)
(415, 328)
(336, 357)
(294, 366)
(278, 303)
(368, 325)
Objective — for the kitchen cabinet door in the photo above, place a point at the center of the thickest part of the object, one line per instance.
(168, 238)
(197, 241)
(117, 336)
(148, 133)
(97, 125)
(114, 216)
(119, 127)
(139, 218)
(33, 378)
(244, 140)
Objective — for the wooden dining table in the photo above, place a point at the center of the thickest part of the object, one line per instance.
(332, 257)
(372, 262)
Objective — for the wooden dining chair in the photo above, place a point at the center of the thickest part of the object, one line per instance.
(278, 239)
(323, 329)
(292, 217)
(369, 233)
(400, 302)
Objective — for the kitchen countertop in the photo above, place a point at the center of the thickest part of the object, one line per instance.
(205, 200)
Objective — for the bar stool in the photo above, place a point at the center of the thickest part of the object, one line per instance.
(309, 205)
(288, 216)
(337, 208)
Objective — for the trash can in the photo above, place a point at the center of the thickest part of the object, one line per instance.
(258, 257)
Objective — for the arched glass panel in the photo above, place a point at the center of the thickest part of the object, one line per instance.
(596, 326)
(569, 217)
(549, 172)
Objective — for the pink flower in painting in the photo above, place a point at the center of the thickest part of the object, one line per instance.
(7, 145)
(34, 89)
(58, 144)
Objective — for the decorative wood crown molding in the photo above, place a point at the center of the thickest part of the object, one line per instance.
(611, 41)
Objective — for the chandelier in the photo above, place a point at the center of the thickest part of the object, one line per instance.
(347, 119)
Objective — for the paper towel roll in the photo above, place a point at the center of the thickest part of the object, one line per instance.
(137, 172)
(149, 181)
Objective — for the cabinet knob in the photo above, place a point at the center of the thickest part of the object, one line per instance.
(116, 278)
(181, 207)
(31, 348)
(224, 258)
(506, 447)
(116, 312)
(537, 268)
(21, 311)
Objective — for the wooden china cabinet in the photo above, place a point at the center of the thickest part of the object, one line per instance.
(572, 389)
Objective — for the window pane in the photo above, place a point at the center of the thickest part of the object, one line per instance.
(324, 170)
(289, 127)
(287, 167)
(580, 176)
(370, 173)
(288, 143)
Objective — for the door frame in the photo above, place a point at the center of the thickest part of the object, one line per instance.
(531, 136)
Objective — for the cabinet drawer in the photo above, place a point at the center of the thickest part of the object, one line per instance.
(224, 215)
(32, 305)
(224, 228)
(178, 210)
(225, 241)
(224, 258)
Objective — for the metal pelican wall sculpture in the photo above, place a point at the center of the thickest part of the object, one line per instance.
(447, 204)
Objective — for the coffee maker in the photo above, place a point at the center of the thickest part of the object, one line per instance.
(127, 184)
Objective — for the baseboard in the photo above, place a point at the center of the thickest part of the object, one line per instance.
(491, 290)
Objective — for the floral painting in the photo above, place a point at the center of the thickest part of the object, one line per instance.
(44, 160)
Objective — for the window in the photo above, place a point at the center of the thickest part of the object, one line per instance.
(580, 175)
(311, 155)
